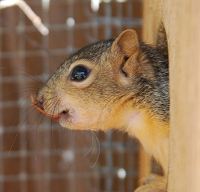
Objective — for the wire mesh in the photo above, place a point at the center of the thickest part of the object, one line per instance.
(35, 154)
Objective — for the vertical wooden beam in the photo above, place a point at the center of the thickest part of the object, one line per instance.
(182, 22)
(151, 21)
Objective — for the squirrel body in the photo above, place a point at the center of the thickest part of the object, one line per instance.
(118, 83)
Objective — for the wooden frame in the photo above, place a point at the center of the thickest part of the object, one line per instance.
(181, 19)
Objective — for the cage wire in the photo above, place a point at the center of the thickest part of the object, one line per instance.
(35, 154)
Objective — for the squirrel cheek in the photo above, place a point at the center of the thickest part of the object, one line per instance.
(85, 120)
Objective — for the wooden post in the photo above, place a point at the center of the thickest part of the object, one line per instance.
(182, 23)
(151, 21)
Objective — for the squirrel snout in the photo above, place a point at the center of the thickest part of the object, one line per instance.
(38, 102)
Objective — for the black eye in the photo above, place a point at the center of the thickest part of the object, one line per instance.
(79, 73)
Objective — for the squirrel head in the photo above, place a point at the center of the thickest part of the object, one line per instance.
(95, 88)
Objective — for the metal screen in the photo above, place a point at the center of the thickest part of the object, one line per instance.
(35, 154)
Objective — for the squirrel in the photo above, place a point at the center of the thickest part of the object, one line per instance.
(119, 83)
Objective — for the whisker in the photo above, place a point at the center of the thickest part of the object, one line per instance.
(98, 146)
(91, 146)
(13, 142)
(47, 102)
(54, 107)
(39, 122)
(50, 105)
(51, 98)
(53, 111)
(94, 148)
(54, 104)
(32, 89)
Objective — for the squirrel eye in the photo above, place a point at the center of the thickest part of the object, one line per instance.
(79, 73)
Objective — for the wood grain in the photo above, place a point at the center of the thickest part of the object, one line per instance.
(183, 28)
(182, 24)
(151, 21)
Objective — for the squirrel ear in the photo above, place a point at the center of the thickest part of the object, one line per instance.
(125, 51)
(126, 43)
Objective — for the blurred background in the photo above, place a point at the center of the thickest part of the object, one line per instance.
(37, 155)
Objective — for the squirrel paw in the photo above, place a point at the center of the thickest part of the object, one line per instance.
(153, 184)
(147, 188)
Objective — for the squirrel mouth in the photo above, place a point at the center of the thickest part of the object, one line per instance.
(63, 115)
(57, 117)
(54, 117)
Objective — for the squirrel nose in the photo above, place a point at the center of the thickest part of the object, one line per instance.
(40, 102)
